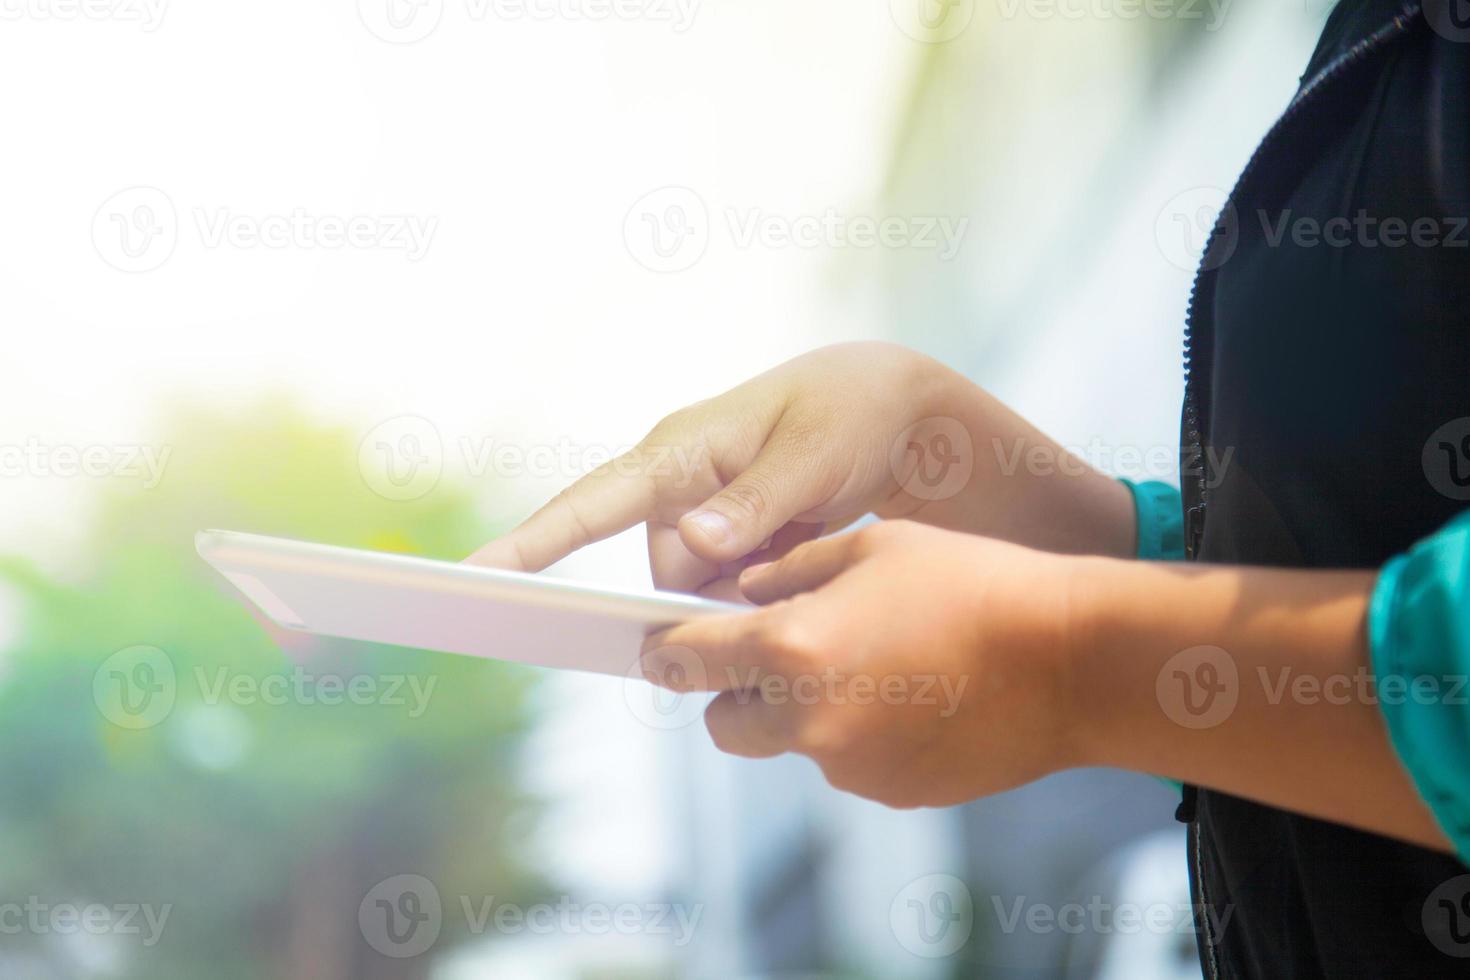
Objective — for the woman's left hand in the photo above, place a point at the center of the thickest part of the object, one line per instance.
(916, 666)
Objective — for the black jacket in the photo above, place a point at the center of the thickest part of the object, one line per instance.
(1329, 336)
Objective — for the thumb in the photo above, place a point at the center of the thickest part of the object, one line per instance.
(779, 484)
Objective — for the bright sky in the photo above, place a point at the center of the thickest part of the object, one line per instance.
(494, 163)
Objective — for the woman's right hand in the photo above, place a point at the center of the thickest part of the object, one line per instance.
(815, 443)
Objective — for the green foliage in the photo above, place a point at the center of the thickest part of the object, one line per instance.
(261, 820)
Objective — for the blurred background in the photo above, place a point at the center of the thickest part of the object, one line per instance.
(389, 273)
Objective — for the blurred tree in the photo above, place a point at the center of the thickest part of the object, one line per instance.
(263, 821)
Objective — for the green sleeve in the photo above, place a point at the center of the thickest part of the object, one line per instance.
(1419, 640)
(1160, 511)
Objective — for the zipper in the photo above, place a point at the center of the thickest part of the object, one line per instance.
(1209, 962)
(1199, 338)
(1198, 351)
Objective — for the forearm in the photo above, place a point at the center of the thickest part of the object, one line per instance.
(1305, 732)
(1025, 487)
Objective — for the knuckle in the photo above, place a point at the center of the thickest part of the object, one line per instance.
(790, 644)
(803, 437)
(820, 740)
(866, 540)
(675, 424)
(571, 503)
(752, 495)
(683, 425)
(881, 534)
(840, 775)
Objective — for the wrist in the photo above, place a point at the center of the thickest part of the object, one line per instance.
(1096, 707)
(938, 390)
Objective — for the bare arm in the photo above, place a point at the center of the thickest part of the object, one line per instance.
(1252, 681)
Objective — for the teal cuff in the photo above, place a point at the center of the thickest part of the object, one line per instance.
(1160, 512)
(1419, 642)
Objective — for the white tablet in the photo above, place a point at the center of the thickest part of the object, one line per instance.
(440, 605)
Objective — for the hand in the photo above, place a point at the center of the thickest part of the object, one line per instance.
(917, 667)
(758, 469)
(810, 447)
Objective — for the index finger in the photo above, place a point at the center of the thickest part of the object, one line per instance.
(610, 499)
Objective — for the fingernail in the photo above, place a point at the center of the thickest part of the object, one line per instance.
(755, 571)
(716, 527)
